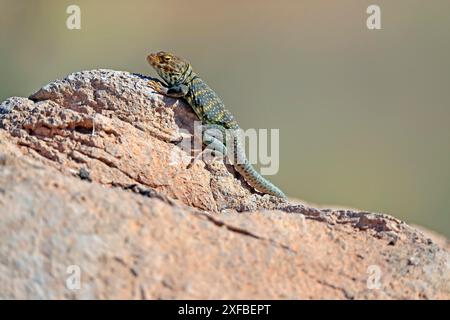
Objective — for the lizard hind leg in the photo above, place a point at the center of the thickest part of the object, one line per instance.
(214, 139)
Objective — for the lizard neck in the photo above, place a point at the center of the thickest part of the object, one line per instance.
(188, 76)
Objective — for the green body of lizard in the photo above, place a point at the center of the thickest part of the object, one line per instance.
(183, 82)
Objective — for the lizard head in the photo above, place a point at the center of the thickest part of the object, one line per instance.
(171, 69)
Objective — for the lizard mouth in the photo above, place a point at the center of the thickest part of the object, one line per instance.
(151, 59)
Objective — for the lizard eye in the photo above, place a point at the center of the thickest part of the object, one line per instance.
(167, 58)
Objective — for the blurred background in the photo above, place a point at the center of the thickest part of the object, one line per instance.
(363, 114)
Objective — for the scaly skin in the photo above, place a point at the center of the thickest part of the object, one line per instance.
(183, 82)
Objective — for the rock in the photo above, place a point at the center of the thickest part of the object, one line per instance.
(97, 201)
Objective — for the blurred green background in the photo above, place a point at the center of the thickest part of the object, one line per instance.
(363, 115)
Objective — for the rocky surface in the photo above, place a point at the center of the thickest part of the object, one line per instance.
(93, 182)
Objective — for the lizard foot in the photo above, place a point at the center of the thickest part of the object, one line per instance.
(156, 86)
(208, 156)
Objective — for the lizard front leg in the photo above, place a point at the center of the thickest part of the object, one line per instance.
(177, 91)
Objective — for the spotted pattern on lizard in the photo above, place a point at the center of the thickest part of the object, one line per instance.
(182, 82)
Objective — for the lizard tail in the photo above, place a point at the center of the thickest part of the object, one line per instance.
(257, 181)
(253, 177)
